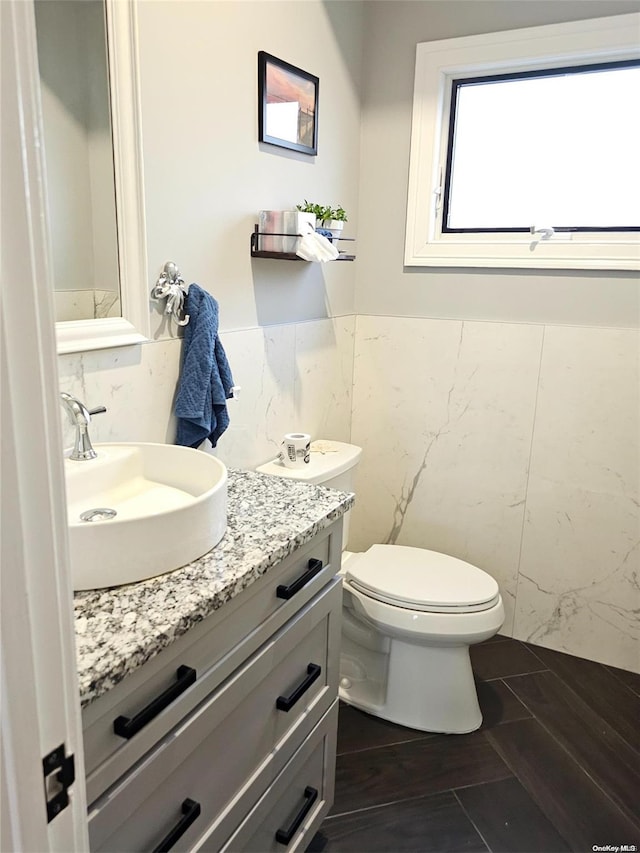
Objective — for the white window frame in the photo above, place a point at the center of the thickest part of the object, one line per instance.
(437, 64)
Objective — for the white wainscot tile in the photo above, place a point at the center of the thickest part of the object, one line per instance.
(444, 411)
(262, 363)
(324, 377)
(578, 586)
(578, 589)
(74, 304)
(137, 385)
(107, 303)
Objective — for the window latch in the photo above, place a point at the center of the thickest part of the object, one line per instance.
(544, 233)
(438, 191)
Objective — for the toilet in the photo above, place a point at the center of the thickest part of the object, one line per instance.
(409, 616)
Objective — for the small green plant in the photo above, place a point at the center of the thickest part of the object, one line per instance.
(339, 214)
(309, 207)
(323, 214)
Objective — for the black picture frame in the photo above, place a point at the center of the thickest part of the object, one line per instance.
(280, 83)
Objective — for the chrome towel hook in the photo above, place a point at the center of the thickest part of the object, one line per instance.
(171, 286)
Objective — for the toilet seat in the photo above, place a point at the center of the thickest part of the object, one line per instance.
(422, 580)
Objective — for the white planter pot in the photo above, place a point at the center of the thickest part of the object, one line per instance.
(335, 226)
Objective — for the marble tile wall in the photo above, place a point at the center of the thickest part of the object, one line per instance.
(295, 377)
(515, 447)
(73, 304)
(136, 384)
(579, 578)
(86, 304)
(444, 412)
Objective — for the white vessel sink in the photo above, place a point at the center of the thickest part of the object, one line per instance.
(170, 506)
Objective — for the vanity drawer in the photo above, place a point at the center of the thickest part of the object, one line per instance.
(290, 813)
(214, 649)
(243, 731)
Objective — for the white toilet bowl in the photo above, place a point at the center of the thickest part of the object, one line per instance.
(409, 618)
(408, 660)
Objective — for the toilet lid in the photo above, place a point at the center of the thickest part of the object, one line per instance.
(418, 579)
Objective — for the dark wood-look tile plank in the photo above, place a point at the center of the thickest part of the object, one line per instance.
(388, 774)
(580, 811)
(499, 704)
(603, 692)
(499, 660)
(509, 820)
(357, 730)
(318, 843)
(497, 638)
(631, 679)
(435, 824)
(597, 748)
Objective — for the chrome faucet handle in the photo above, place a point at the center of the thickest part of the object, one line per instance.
(80, 418)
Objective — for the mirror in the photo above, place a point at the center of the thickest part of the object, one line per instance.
(74, 87)
(93, 159)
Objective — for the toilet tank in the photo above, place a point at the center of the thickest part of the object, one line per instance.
(331, 463)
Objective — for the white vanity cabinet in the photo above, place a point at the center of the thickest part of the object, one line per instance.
(226, 739)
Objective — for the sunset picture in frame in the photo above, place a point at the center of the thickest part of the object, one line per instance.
(287, 105)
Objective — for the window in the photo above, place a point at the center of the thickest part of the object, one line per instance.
(524, 149)
(560, 147)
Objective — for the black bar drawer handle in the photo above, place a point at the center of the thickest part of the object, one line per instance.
(311, 571)
(286, 703)
(284, 836)
(190, 811)
(129, 726)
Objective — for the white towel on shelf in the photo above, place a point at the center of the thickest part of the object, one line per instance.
(315, 247)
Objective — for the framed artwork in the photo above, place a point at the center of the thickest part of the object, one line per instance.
(287, 105)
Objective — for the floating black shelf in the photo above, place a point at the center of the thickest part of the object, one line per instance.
(290, 256)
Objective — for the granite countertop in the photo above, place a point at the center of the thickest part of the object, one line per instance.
(119, 629)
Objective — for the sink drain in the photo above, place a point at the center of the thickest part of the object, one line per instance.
(99, 514)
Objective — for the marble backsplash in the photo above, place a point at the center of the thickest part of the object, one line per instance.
(515, 447)
(294, 378)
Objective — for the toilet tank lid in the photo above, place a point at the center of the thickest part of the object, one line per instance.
(327, 459)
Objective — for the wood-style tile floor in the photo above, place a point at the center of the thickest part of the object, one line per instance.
(554, 767)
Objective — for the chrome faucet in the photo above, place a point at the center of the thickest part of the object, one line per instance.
(80, 418)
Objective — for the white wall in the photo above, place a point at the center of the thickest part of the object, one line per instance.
(64, 106)
(393, 28)
(100, 147)
(207, 176)
(287, 326)
(79, 158)
(498, 409)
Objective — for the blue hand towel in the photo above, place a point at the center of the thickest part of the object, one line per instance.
(205, 380)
